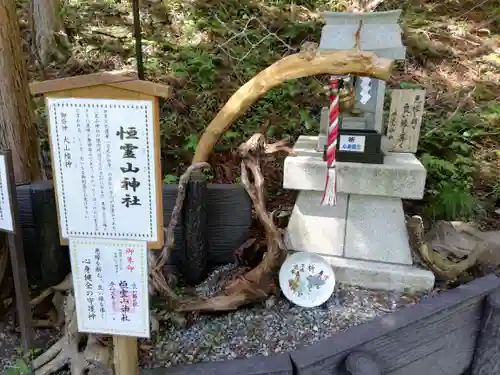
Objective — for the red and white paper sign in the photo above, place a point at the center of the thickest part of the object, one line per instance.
(110, 280)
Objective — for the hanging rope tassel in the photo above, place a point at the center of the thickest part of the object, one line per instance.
(330, 192)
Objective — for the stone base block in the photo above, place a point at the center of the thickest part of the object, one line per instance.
(377, 275)
(363, 237)
(400, 176)
(376, 230)
(316, 228)
(385, 276)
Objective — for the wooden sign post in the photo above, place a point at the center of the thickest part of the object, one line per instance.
(9, 222)
(105, 142)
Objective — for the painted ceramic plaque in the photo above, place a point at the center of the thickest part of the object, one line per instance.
(306, 279)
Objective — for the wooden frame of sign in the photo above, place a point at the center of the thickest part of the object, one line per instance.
(113, 86)
(112, 89)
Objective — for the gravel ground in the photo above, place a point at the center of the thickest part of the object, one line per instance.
(269, 328)
(273, 327)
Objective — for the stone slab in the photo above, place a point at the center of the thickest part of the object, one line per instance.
(354, 123)
(375, 275)
(376, 230)
(316, 228)
(323, 130)
(380, 33)
(401, 176)
(322, 142)
(323, 122)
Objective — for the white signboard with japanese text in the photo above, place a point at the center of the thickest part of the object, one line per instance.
(110, 281)
(6, 220)
(104, 167)
(354, 143)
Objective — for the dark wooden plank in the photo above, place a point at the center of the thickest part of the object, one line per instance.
(229, 220)
(194, 261)
(451, 355)
(487, 355)
(169, 197)
(404, 335)
(52, 255)
(32, 256)
(25, 209)
(273, 365)
(403, 349)
(222, 242)
(425, 339)
(362, 363)
(228, 205)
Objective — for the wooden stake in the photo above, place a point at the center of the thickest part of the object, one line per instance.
(18, 263)
(125, 355)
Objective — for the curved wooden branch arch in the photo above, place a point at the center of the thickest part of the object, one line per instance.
(291, 67)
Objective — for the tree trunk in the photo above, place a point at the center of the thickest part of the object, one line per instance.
(47, 26)
(17, 127)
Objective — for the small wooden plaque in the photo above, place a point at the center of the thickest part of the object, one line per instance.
(405, 119)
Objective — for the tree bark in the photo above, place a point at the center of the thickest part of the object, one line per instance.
(17, 127)
(47, 26)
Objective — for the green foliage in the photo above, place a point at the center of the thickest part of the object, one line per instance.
(447, 151)
(170, 179)
(207, 49)
(190, 143)
(199, 64)
(20, 365)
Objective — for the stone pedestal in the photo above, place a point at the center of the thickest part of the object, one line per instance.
(364, 236)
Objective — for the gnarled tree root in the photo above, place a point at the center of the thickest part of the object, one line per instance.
(442, 267)
(66, 350)
(258, 283)
(157, 281)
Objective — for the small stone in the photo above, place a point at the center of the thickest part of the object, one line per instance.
(270, 302)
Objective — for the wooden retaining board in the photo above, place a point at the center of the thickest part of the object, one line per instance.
(229, 223)
(272, 365)
(437, 337)
(229, 220)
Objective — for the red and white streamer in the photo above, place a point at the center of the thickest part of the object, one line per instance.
(330, 192)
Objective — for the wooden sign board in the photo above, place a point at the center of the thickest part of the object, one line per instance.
(405, 119)
(6, 214)
(110, 279)
(106, 162)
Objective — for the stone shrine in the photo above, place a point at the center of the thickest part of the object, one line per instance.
(364, 236)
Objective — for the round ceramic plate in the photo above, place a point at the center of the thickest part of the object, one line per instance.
(306, 279)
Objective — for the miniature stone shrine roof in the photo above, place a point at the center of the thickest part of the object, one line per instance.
(380, 33)
(124, 79)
